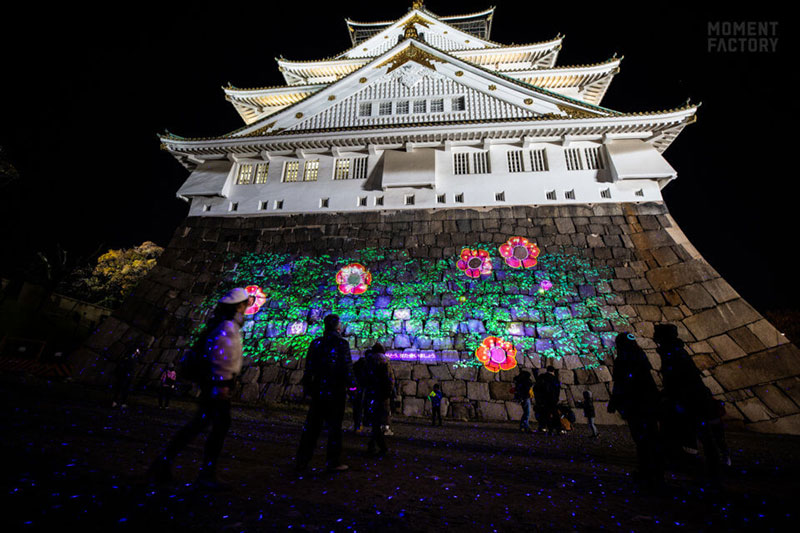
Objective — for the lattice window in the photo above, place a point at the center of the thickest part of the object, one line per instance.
(365, 109)
(420, 106)
(640, 192)
(574, 161)
(245, 173)
(500, 196)
(459, 104)
(311, 170)
(402, 108)
(480, 162)
(385, 108)
(437, 105)
(515, 161)
(360, 168)
(594, 159)
(459, 198)
(551, 195)
(324, 202)
(263, 205)
(441, 199)
(569, 195)
(341, 169)
(461, 163)
(409, 200)
(605, 193)
(262, 170)
(379, 200)
(362, 201)
(538, 160)
(290, 171)
(278, 204)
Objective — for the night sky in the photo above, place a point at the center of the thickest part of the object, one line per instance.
(87, 89)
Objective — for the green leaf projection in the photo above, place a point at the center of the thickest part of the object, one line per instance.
(560, 307)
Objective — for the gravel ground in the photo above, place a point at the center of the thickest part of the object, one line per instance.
(71, 461)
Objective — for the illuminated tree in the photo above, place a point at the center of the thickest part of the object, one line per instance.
(118, 271)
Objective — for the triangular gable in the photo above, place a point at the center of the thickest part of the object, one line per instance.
(415, 70)
(439, 34)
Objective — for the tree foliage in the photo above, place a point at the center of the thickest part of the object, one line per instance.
(118, 271)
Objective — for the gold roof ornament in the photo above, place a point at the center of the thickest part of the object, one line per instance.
(417, 4)
(410, 32)
(410, 53)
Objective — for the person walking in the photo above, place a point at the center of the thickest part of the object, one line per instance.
(589, 412)
(636, 397)
(378, 391)
(436, 396)
(221, 346)
(690, 404)
(328, 376)
(123, 377)
(167, 384)
(523, 391)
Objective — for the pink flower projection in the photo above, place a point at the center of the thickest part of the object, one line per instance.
(496, 354)
(519, 252)
(545, 285)
(475, 263)
(259, 299)
(353, 279)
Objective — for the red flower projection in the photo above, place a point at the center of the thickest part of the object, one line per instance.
(475, 263)
(519, 252)
(496, 354)
(353, 279)
(259, 299)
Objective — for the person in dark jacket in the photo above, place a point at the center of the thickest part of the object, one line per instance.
(522, 393)
(546, 392)
(327, 378)
(123, 377)
(357, 396)
(636, 397)
(691, 410)
(435, 397)
(377, 393)
(589, 412)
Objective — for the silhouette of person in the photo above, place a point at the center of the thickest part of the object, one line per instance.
(328, 376)
(636, 397)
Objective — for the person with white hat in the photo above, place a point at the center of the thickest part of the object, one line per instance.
(222, 345)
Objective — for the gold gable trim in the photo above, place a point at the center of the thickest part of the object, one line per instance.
(411, 53)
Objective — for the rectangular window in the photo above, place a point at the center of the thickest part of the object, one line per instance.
(379, 200)
(290, 169)
(409, 199)
(385, 108)
(442, 198)
(234, 206)
(605, 193)
(402, 108)
(515, 161)
(500, 196)
(245, 173)
(437, 105)
(573, 156)
(420, 106)
(362, 201)
(324, 202)
(458, 104)
(538, 160)
(459, 198)
(365, 109)
(551, 195)
(594, 160)
(461, 163)
(341, 169)
(360, 168)
(640, 192)
(480, 162)
(569, 195)
(311, 170)
(263, 205)
(262, 169)
(207, 207)
(278, 204)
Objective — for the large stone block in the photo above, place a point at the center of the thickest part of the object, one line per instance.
(696, 297)
(407, 387)
(791, 387)
(440, 372)
(721, 319)
(424, 387)
(754, 410)
(725, 347)
(250, 374)
(787, 424)
(764, 367)
(413, 406)
(514, 411)
(461, 411)
(775, 400)
(767, 334)
(467, 373)
(477, 390)
(493, 411)
(454, 389)
(679, 274)
(501, 390)
(720, 290)
(250, 392)
(420, 372)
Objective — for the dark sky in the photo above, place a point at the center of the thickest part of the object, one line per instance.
(86, 90)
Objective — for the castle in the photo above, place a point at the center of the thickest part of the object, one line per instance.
(468, 204)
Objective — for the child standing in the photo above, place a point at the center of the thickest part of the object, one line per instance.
(436, 396)
(588, 412)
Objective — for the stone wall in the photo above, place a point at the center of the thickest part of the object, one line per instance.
(657, 276)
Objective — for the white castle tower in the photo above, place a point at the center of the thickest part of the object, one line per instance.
(428, 112)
